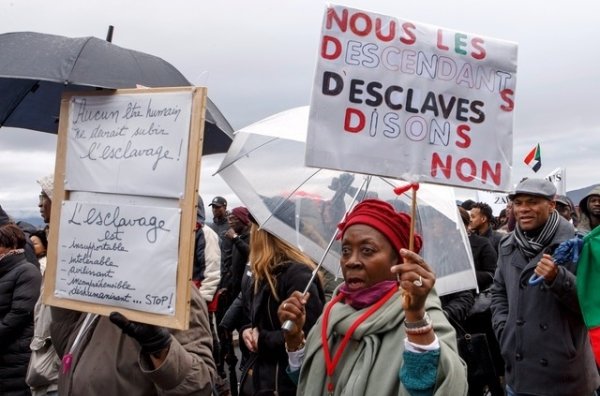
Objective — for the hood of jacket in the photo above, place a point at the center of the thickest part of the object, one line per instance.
(584, 221)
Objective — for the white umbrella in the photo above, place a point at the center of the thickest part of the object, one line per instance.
(265, 168)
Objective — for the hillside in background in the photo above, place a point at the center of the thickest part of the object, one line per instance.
(577, 195)
(33, 220)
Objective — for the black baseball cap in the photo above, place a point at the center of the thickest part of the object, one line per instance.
(218, 201)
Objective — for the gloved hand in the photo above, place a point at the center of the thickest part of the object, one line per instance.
(151, 338)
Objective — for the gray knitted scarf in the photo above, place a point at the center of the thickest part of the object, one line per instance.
(530, 247)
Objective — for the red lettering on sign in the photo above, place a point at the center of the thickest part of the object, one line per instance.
(354, 121)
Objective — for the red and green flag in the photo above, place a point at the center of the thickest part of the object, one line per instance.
(588, 279)
(534, 158)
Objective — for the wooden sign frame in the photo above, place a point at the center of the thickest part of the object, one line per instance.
(186, 204)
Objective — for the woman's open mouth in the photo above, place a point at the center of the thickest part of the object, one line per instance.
(355, 283)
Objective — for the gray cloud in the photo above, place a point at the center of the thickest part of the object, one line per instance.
(258, 58)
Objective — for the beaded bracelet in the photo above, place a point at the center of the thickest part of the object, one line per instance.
(426, 321)
(422, 326)
(419, 330)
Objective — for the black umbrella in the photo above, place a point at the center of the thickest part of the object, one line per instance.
(35, 69)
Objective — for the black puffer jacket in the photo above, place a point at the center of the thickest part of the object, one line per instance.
(19, 290)
(269, 371)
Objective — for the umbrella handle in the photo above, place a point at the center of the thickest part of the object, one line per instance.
(288, 325)
(535, 279)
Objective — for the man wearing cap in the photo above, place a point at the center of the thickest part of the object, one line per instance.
(219, 210)
(540, 328)
(589, 207)
(565, 208)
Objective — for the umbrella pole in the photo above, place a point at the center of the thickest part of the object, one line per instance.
(288, 324)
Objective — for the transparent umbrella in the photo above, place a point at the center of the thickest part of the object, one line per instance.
(265, 168)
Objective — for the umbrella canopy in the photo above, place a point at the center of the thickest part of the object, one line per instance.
(35, 69)
(265, 168)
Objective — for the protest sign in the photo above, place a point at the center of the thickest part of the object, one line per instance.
(497, 201)
(558, 177)
(124, 205)
(398, 98)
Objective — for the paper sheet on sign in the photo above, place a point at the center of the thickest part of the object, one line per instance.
(112, 140)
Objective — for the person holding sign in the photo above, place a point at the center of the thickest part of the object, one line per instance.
(373, 337)
(114, 356)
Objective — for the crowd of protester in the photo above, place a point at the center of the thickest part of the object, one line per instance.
(383, 330)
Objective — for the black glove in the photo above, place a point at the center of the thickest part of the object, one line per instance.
(151, 338)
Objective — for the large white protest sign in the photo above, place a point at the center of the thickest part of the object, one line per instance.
(121, 254)
(115, 139)
(124, 203)
(398, 98)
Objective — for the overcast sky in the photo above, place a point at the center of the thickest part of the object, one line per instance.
(258, 58)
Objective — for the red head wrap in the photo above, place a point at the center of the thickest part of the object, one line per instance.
(382, 216)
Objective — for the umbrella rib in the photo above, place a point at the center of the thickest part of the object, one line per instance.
(245, 154)
(16, 103)
(285, 199)
(76, 59)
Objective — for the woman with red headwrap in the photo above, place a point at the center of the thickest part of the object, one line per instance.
(374, 338)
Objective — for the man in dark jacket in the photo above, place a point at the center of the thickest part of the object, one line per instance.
(220, 225)
(540, 328)
(481, 223)
(219, 210)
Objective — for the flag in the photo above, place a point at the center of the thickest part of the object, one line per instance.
(588, 278)
(534, 158)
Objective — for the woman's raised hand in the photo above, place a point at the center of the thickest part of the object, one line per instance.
(293, 309)
(416, 278)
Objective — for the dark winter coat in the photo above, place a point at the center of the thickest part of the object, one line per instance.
(494, 236)
(239, 312)
(233, 267)
(542, 336)
(269, 370)
(20, 284)
(457, 306)
(484, 258)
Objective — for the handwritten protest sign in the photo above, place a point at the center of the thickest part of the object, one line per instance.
(407, 100)
(124, 203)
(126, 136)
